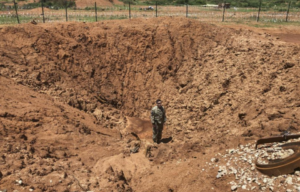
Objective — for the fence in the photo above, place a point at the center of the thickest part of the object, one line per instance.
(13, 14)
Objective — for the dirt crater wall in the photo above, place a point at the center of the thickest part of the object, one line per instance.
(213, 80)
(221, 87)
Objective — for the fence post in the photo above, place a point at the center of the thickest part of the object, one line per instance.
(43, 11)
(258, 11)
(66, 10)
(187, 8)
(156, 8)
(224, 3)
(15, 4)
(287, 13)
(96, 11)
(129, 11)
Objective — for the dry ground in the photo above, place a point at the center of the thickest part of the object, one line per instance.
(72, 94)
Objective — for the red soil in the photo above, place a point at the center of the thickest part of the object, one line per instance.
(72, 94)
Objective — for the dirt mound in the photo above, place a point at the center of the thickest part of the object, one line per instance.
(43, 142)
(220, 86)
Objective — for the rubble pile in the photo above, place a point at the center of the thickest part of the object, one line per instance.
(240, 163)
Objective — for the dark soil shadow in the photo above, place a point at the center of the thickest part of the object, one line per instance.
(166, 140)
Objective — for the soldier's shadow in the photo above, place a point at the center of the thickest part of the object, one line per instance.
(166, 140)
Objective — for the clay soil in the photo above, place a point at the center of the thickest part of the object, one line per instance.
(75, 101)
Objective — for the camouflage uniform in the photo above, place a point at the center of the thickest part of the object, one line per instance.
(158, 118)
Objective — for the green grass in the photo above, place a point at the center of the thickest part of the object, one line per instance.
(250, 19)
(261, 24)
(89, 18)
(13, 20)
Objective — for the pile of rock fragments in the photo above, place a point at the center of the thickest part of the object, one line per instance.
(240, 163)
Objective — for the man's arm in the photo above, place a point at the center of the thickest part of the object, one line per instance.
(152, 116)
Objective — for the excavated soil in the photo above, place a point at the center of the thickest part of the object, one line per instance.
(76, 99)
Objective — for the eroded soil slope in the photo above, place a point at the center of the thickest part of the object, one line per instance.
(91, 85)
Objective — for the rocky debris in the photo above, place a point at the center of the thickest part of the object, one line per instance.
(19, 182)
(240, 162)
(222, 171)
(272, 154)
(118, 179)
(234, 187)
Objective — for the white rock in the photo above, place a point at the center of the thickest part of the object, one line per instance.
(233, 188)
(297, 188)
(265, 180)
(232, 170)
(289, 190)
(20, 182)
(244, 187)
(219, 175)
(289, 181)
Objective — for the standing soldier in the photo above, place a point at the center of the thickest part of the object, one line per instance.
(158, 118)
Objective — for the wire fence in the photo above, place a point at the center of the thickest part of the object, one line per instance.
(13, 14)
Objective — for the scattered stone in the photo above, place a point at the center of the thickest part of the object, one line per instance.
(289, 181)
(19, 182)
(234, 188)
(222, 171)
(241, 163)
(297, 188)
